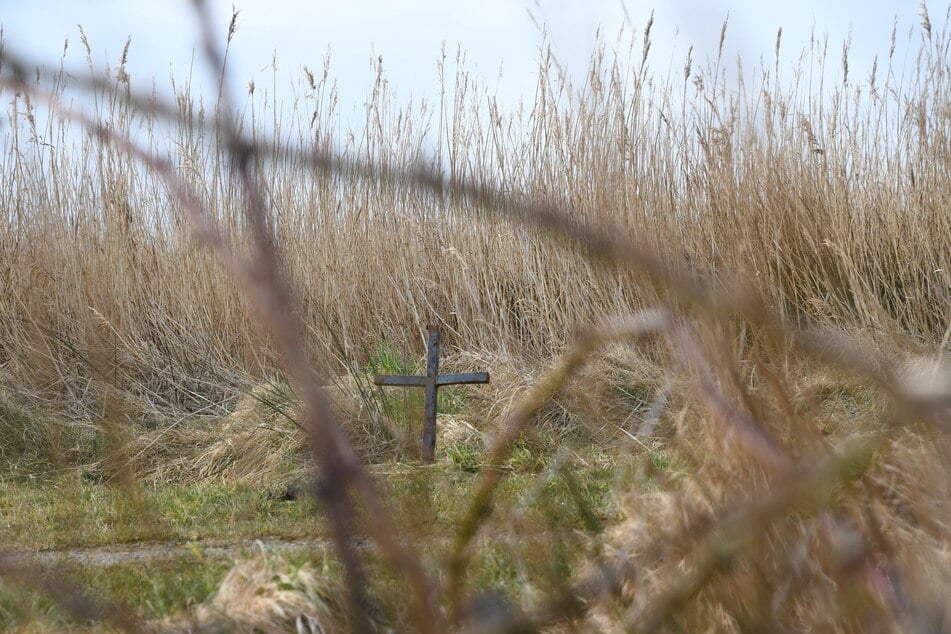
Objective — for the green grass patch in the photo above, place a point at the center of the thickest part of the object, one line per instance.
(152, 589)
(159, 588)
(569, 495)
(535, 537)
(74, 512)
(71, 512)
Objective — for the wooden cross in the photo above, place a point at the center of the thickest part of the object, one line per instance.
(432, 382)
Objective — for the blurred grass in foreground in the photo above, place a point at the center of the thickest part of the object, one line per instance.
(757, 443)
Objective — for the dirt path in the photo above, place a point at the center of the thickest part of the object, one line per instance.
(115, 554)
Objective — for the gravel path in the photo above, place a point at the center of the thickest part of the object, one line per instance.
(115, 554)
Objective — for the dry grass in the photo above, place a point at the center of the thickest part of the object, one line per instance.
(855, 236)
(260, 438)
(868, 555)
(806, 415)
(263, 594)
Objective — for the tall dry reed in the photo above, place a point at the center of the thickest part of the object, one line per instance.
(831, 204)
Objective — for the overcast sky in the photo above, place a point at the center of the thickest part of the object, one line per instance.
(500, 37)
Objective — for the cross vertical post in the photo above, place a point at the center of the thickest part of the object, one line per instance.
(431, 382)
(432, 373)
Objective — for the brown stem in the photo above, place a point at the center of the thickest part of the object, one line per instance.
(480, 506)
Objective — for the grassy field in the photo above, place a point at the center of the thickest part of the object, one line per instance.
(716, 314)
(170, 546)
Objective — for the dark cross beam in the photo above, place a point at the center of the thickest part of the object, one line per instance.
(432, 382)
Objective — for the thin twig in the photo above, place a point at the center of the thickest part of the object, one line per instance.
(480, 505)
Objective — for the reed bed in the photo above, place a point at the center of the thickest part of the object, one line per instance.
(832, 205)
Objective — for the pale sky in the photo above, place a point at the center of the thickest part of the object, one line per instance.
(499, 36)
